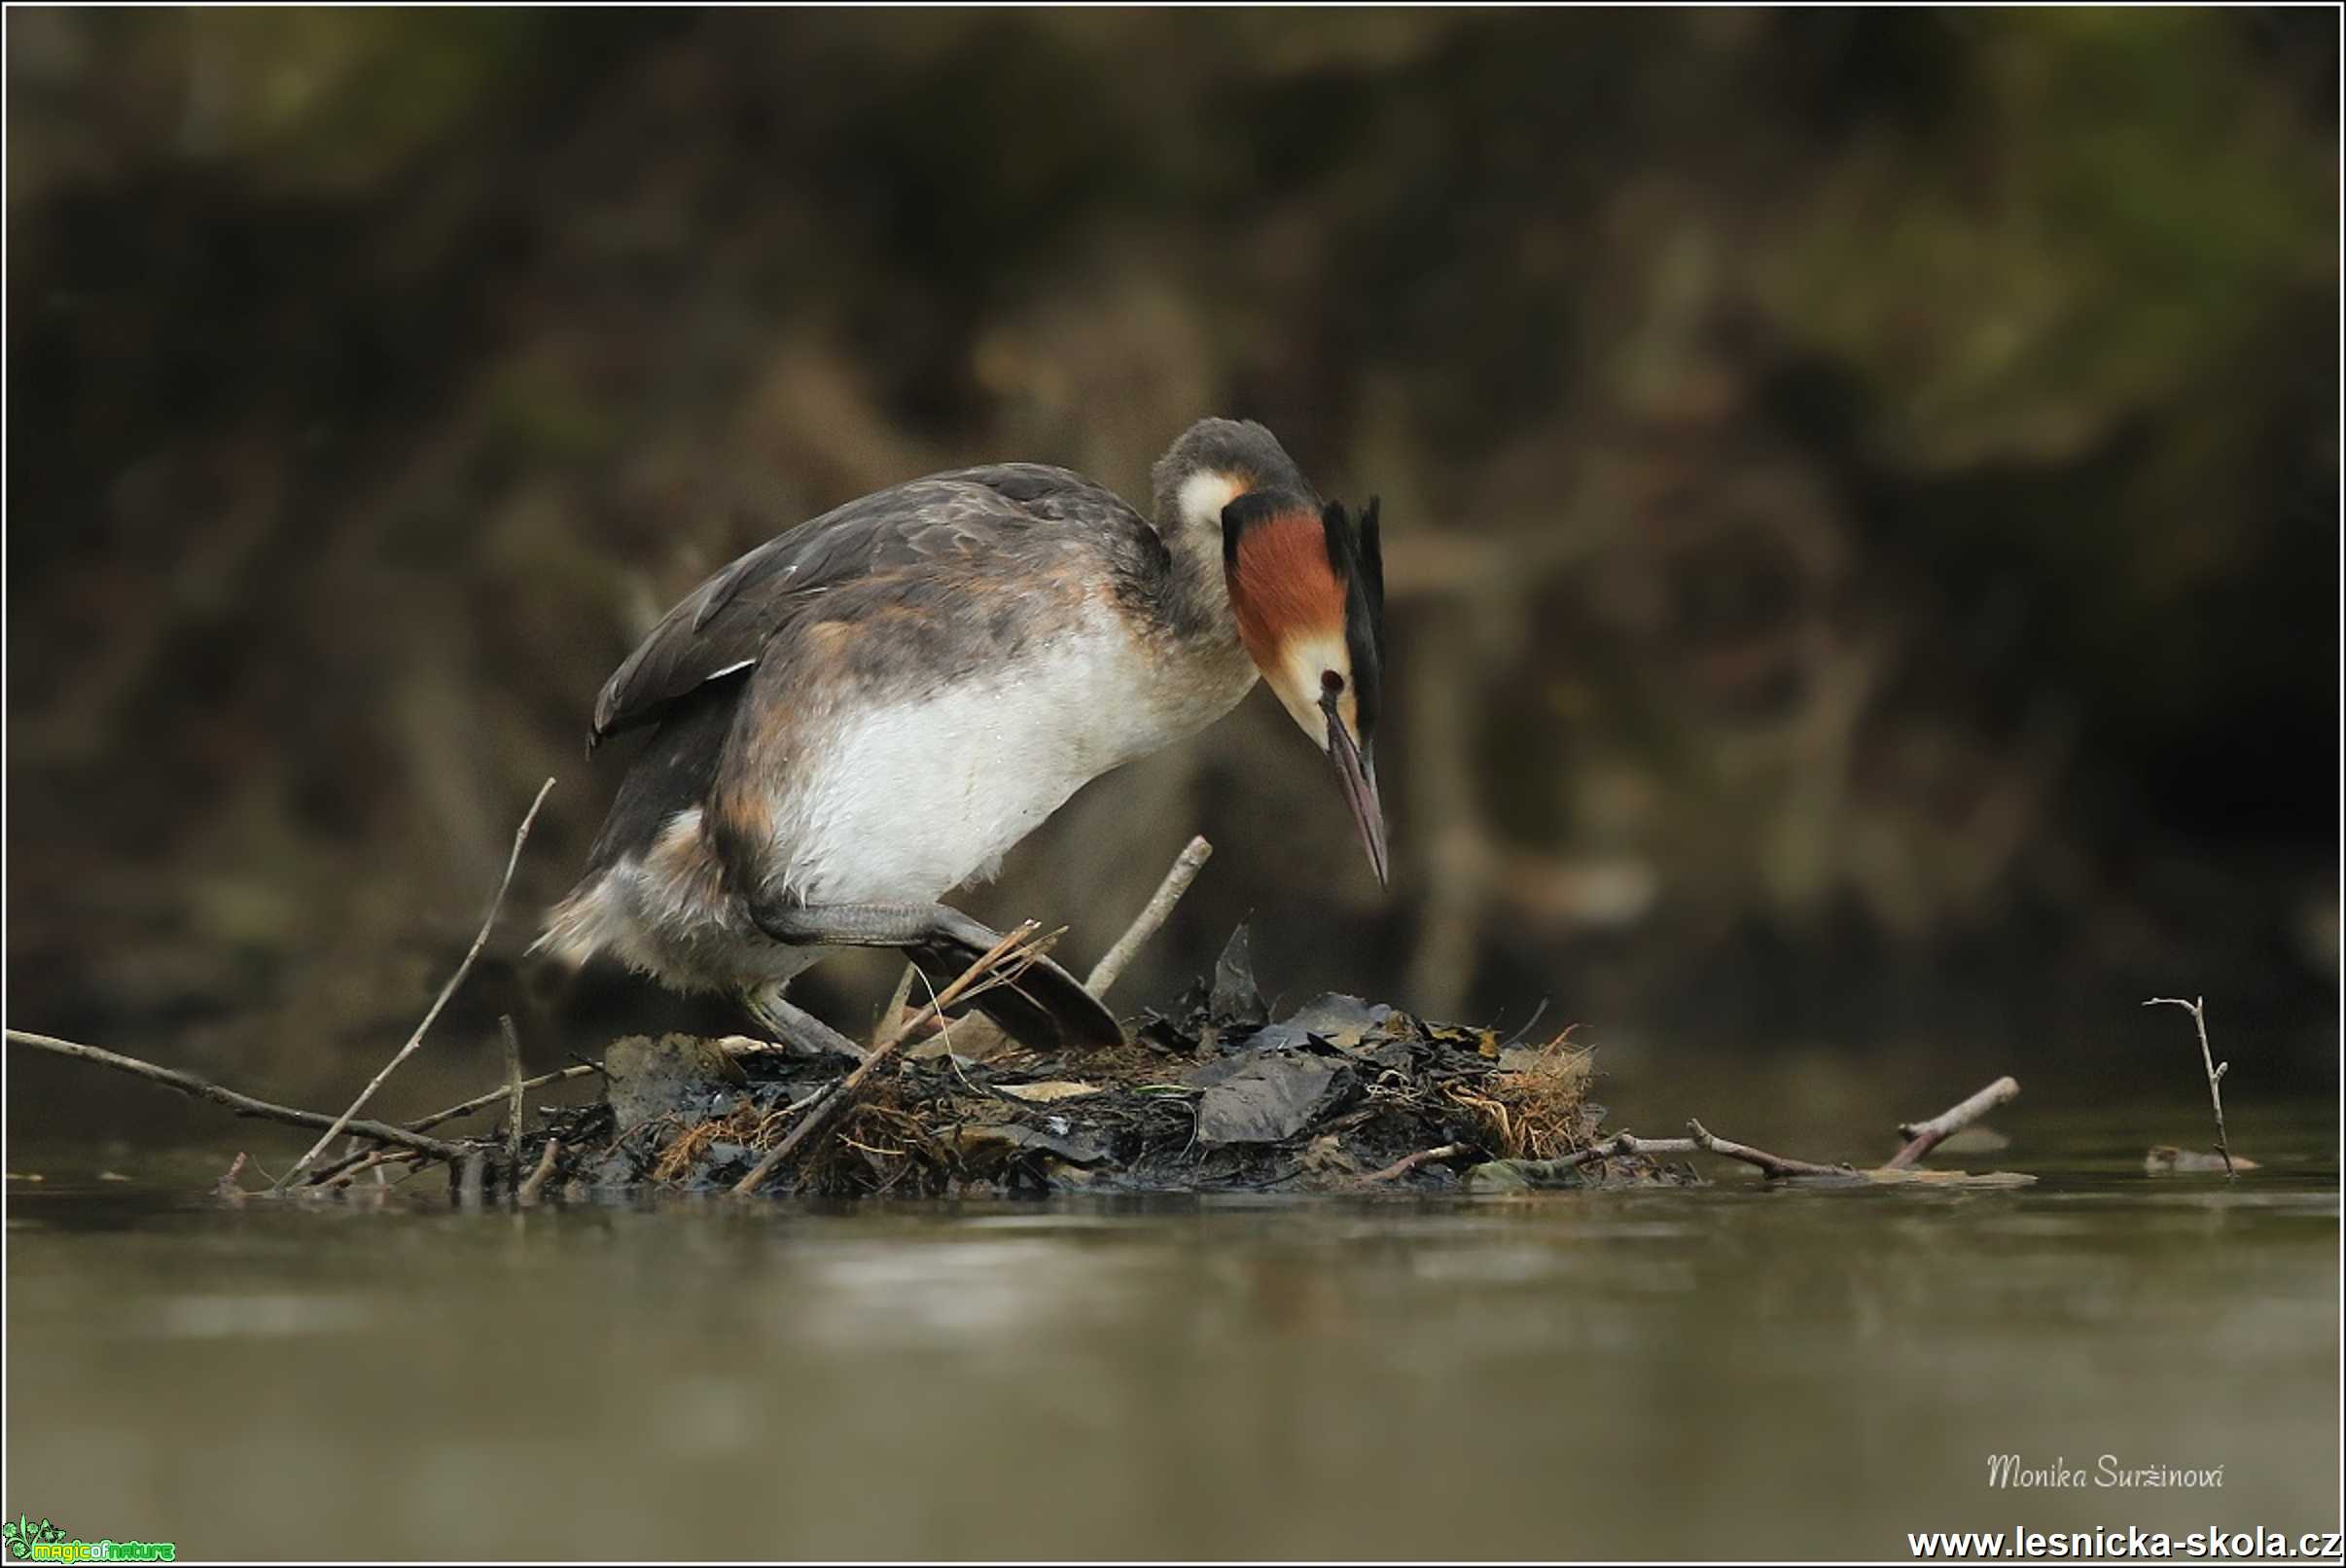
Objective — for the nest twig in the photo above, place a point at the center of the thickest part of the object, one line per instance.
(243, 1104)
(479, 941)
(997, 964)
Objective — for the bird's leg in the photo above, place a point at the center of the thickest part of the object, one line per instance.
(855, 925)
(1044, 1005)
(791, 1024)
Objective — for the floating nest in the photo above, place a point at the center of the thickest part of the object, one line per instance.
(1212, 1095)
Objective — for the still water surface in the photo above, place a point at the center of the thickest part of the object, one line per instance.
(1724, 1371)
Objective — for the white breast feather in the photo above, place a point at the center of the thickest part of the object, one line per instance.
(906, 801)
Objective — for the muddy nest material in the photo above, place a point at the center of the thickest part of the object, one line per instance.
(1211, 1095)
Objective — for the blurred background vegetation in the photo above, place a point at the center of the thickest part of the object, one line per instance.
(1861, 491)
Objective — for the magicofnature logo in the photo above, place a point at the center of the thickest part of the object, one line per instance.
(40, 1541)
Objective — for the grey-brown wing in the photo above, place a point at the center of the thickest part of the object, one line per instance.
(947, 521)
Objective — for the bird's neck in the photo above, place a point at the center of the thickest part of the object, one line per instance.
(1192, 596)
(1179, 606)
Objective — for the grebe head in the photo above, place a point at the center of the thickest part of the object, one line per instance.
(1307, 586)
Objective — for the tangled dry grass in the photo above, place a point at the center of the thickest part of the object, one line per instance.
(1537, 1108)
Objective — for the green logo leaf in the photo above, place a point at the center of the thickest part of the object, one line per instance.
(21, 1533)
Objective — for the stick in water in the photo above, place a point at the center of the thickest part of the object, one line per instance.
(1924, 1136)
(241, 1104)
(482, 1102)
(536, 1183)
(1628, 1143)
(1771, 1165)
(2198, 1007)
(1410, 1163)
(513, 1083)
(521, 836)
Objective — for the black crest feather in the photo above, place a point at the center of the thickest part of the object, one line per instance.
(1356, 551)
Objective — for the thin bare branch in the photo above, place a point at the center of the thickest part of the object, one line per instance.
(482, 1102)
(1410, 1163)
(1186, 867)
(1771, 1165)
(241, 1104)
(373, 1159)
(1628, 1143)
(973, 1035)
(1924, 1136)
(1017, 950)
(536, 1185)
(479, 941)
(472, 1179)
(2198, 1007)
(512, 1082)
(357, 1154)
(894, 1013)
(979, 1036)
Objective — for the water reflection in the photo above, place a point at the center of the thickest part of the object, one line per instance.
(1714, 1371)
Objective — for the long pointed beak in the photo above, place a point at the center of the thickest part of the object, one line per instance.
(1356, 772)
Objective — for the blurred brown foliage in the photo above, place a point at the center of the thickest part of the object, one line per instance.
(1862, 486)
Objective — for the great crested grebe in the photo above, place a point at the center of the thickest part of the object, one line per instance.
(871, 709)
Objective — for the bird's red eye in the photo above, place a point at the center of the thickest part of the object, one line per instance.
(1331, 683)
